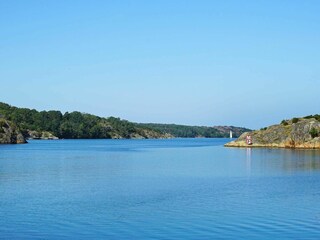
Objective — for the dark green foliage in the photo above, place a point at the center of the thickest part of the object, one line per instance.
(295, 120)
(316, 116)
(314, 132)
(73, 125)
(76, 125)
(124, 128)
(284, 122)
(184, 131)
(265, 128)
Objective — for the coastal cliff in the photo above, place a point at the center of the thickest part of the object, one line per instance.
(9, 133)
(294, 133)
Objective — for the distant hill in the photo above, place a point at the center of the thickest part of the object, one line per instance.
(294, 133)
(184, 131)
(76, 125)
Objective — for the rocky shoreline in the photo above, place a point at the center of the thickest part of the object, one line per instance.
(9, 133)
(302, 133)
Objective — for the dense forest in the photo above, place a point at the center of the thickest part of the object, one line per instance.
(77, 125)
(184, 131)
(74, 125)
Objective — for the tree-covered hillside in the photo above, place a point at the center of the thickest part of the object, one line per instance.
(184, 131)
(74, 125)
(77, 125)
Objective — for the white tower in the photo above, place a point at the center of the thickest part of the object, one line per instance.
(230, 134)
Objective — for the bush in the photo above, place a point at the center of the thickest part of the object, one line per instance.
(317, 117)
(284, 122)
(314, 132)
(295, 120)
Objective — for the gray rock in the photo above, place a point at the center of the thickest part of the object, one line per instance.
(9, 133)
(292, 135)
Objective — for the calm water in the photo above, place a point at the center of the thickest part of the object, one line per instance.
(157, 189)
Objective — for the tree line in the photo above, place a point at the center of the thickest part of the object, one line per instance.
(73, 125)
(77, 125)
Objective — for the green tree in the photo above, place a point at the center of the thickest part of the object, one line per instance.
(314, 132)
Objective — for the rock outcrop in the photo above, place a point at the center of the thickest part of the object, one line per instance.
(44, 135)
(9, 133)
(295, 133)
(143, 134)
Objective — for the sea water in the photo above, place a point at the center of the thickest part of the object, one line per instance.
(157, 189)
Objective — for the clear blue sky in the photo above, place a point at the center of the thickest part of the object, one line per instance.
(243, 63)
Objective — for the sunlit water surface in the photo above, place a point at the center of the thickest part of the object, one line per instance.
(157, 189)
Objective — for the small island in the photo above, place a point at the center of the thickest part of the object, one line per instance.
(303, 133)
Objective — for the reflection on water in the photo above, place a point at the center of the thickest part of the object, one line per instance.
(157, 189)
(301, 159)
(248, 161)
(285, 159)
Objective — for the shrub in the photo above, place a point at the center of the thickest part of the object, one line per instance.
(314, 132)
(317, 117)
(284, 122)
(295, 120)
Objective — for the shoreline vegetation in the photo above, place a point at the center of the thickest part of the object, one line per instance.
(19, 124)
(299, 133)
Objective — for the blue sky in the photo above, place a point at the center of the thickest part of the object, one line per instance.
(243, 63)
